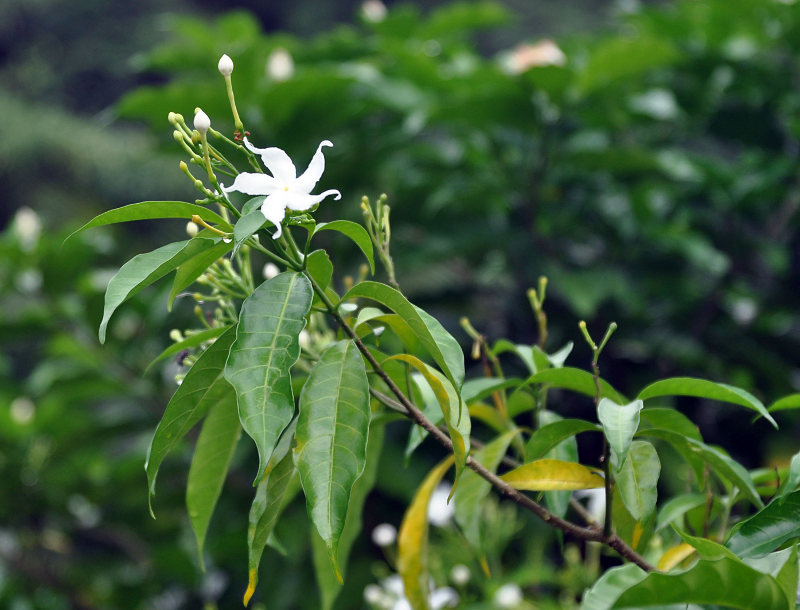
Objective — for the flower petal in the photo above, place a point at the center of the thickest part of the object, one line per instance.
(311, 176)
(253, 184)
(274, 210)
(299, 202)
(276, 161)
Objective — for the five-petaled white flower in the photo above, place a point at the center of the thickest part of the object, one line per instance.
(284, 188)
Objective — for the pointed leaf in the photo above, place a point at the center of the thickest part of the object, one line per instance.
(792, 401)
(331, 438)
(320, 267)
(702, 388)
(769, 528)
(441, 346)
(678, 506)
(620, 423)
(793, 477)
(189, 342)
(568, 378)
(212, 455)
(266, 348)
(545, 475)
(192, 269)
(355, 232)
(245, 227)
(412, 540)
(673, 556)
(550, 435)
(148, 210)
(637, 479)
(610, 586)
(203, 387)
(668, 419)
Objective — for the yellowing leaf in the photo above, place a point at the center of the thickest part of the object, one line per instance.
(674, 555)
(412, 540)
(547, 475)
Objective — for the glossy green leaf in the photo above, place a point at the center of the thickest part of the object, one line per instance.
(668, 419)
(550, 435)
(191, 341)
(706, 548)
(245, 227)
(212, 456)
(793, 477)
(478, 389)
(610, 586)
(440, 344)
(148, 210)
(189, 271)
(320, 267)
(568, 378)
(355, 232)
(792, 401)
(678, 506)
(524, 353)
(545, 475)
(620, 423)
(702, 388)
(253, 204)
(203, 387)
(456, 415)
(144, 269)
(769, 528)
(637, 479)
(331, 438)
(266, 348)
(412, 540)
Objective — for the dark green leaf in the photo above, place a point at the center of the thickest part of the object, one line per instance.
(610, 586)
(245, 227)
(355, 232)
(769, 528)
(320, 267)
(678, 506)
(668, 419)
(477, 389)
(189, 342)
(189, 271)
(576, 380)
(550, 435)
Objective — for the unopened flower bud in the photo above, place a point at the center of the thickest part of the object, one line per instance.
(225, 65)
(280, 65)
(373, 11)
(191, 229)
(171, 117)
(177, 136)
(198, 184)
(176, 335)
(270, 271)
(201, 121)
(460, 574)
(384, 534)
(183, 166)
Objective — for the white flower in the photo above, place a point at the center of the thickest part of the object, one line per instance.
(225, 65)
(270, 271)
(384, 534)
(201, 121)
(27, 228)
(191, 229)
(394, 598)
(373, 11)
(596, 504)
(508, 596)
(439, 511)
(280, 65)
(460, 574)
(526, 56)
(284, 189)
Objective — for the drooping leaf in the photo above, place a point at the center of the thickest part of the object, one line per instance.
(678, 506)
(148, 210)
(545, 475)
(192, 269)
(769, 528)
(550, 435)
(189, 342)
(456, 415)
(203, 387)
(355, 232)
(331, 438)
(212, 456)
(266, 348)
(637, 479)
(569, 378)
(245, 227)
(620, 423)
(610, 586)
(412, 540)
(702, 388)
(441, 346)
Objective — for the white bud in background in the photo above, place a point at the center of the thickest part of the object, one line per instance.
(508, 596)
(191, 229)
(384, 534)
(373, 11)
(304, 339)
(270, 271)
(280, 65)
(460, 574)
(225, 65)
(201, 121)
(22, 410)
(439, 510)
(374, 595)
(27, 228)
(446, 597)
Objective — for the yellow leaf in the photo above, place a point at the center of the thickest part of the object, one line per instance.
(412, 540)
(252, 579)
(673, 556)
(549, 475)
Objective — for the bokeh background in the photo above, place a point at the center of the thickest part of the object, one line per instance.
(642, 156)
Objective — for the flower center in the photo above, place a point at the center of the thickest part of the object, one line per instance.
(285, 188)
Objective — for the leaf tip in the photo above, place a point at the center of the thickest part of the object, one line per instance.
(252, 579)
(332, 554)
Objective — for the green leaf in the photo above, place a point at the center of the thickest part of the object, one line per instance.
(332, 438)
(550, 435)
(724, 582)
(212, 455)
(454, 410)
(637, 480)
(610, 586)
(355, 232)
(478, 389)
(144, 269)
(189, 342)
(245, 227)
(320, 267)
(620, 423)
(702, 388)
(793, 477)
(678, 506)
(412, 540)
(251, 205)
(266, 348)
(442, 347)
(568, 378)
(189, 271)
(203, 387)
(792, 401)
(148, 210)
(546, 475)
(769, 528)
(668, 419)
(524, 353)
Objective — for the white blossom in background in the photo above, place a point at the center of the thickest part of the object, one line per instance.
(373, 11)
(390, 595)
(526, 56)
(225, 65)
(439, 511)
(508, 596)
(27, 228)
(280, 65)
(384, 534)
(22, 410)
(596, 504)
(270, 271)
(284, 188)
(460, 574)
(304, 339)
(201, 121)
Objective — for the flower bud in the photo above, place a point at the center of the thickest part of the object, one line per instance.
(172, 117)
(373, 11)
(191, 229)
(177, 136)
(201, 121)
(225, 65)
(384, 534)
(280, 65)
(182, 165)
(460, 574)
(270, 271)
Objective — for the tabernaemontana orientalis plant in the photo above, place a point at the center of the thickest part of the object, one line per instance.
(729, 539)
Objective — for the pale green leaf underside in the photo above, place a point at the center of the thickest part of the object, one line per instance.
(620, 423)
(637, 480)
